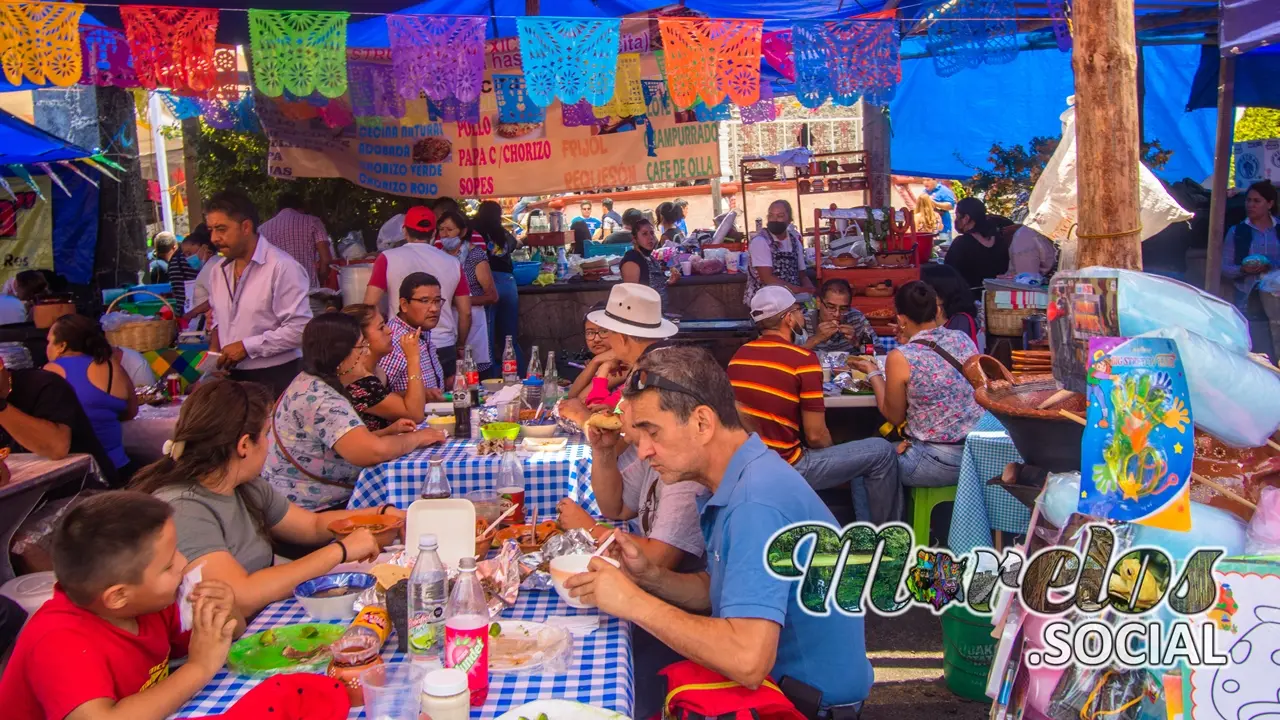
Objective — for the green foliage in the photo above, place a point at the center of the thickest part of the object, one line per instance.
(229, 159)
(1014, 171)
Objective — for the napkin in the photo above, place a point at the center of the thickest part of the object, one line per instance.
(185, 611)
(577, 625)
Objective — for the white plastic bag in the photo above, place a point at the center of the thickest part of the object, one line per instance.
(1053, 203)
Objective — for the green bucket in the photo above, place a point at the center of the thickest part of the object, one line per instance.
(967, 651)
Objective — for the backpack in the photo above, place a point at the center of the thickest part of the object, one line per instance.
(696, 693)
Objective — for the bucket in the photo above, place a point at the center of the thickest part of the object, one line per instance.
(967, 651)
(353, 279)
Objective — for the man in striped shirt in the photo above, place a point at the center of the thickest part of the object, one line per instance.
(778, 388)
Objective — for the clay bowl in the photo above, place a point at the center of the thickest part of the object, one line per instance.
(1042, 437)
(385, 528)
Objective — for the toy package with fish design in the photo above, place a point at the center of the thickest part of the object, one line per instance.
(1139, 443)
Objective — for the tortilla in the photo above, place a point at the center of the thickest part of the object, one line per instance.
(604, 421)
(387, 574)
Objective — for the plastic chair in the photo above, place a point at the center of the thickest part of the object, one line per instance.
(923, 500)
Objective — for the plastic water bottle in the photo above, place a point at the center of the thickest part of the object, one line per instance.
(510, 369)
(466, 631)
(427, 598)
(562, 265)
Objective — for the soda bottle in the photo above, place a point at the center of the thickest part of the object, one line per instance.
(427, 597)
(466, 631)
(510, 485)
(550, 381)
(436, 486)
(461, 407)
(535, 366)
(473, 376)
(510, 369)
(358, 650)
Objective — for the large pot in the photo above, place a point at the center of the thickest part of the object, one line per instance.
(49, 308)
(353, 280)
(1043, 438)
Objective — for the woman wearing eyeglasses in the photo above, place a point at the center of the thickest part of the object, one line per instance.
(319, 442)
(372, 397)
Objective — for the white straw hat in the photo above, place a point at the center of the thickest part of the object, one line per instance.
(634, 310)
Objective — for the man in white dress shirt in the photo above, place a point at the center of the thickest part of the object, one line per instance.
(257, 295)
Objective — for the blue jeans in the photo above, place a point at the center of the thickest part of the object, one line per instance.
(504, 317)
(929, 465)
(873, 459)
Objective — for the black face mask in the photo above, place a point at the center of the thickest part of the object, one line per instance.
(777, 227)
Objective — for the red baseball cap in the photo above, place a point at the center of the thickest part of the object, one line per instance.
(420, 219)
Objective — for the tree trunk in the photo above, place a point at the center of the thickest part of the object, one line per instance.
(1107, 143)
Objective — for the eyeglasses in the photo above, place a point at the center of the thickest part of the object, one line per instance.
(429, 301)
(641, 380)
(597, 334)
(835, 308)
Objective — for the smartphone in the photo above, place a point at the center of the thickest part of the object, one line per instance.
(209, 362)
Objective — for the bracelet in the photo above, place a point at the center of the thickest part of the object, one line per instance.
(875, 374)
(415, 377)
(344, 552)
(383, 510)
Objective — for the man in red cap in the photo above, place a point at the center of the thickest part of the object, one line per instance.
(419, 255)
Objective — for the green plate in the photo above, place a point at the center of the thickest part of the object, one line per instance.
(250, 656)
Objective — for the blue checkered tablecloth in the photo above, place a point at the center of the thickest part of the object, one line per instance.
(980, 508)
(548, 477)
(885, 343)
(601, 675)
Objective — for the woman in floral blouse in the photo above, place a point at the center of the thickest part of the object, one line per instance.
(318, 441)
(364, 381)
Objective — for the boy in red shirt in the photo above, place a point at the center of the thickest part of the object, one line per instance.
(100, 648)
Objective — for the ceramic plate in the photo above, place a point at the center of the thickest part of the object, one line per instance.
(560, 710)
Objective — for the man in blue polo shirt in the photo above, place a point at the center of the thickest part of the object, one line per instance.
(944, 201)
(757, 628)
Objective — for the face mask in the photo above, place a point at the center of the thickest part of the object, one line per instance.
(777, 227)
(450, 244)
(194, 261)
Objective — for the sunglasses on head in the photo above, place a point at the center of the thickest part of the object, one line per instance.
(641, 380)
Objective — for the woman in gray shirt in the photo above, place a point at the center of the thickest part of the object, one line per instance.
(226, 515)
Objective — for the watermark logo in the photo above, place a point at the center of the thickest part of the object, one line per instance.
(863, 568)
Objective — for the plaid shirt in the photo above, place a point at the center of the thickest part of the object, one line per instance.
(397, 367)
(297, 234)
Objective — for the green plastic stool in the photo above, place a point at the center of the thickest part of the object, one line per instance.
(923, 500)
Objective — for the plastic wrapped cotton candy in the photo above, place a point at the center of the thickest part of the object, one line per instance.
(1232, 398)
(1150, 302)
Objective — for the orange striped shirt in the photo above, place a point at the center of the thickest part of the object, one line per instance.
(773, 382)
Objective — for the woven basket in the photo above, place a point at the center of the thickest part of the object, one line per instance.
(147, 335)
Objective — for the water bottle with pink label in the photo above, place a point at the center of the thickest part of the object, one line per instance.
(466, 631)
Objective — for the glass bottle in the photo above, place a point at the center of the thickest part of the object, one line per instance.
(510, 485)
(550, 381)
(535, 365)
(510, 370)
(436, 486)
(461, 406)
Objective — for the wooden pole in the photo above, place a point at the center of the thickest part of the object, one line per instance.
(875, 141)
(1107, 145)
(1221, 166)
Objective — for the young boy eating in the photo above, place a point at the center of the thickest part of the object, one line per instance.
(100, 648)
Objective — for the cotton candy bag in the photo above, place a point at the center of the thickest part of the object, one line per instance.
(1232, 398)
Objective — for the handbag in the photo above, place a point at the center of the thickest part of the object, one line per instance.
(696, 693)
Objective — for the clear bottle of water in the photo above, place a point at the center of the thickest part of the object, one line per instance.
(535, 365)
(427, 599)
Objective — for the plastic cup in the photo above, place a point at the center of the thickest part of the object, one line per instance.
(686, 267)
(393, 691)
(488, 504)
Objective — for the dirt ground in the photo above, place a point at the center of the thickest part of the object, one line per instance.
(906, 652)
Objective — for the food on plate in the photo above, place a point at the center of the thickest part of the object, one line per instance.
(432, 150)
(522, 534)
(489, 447)
(604, 421)
(515, 130)
(526, 415)
(882, 314)
(388, 574)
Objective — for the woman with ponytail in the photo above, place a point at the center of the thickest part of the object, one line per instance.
(226, 515)
(319, 443)
(78, 351)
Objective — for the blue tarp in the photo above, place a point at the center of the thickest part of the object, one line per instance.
(22, 143)
(1256, 74)
(1247, 24)
(944, 127)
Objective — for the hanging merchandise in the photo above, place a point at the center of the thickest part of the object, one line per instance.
(41, 41)
(439, 56)
(712, 59)
(373, 90)
(299, 51)
(968, 33)
(843, 61)
(569, 60)
(580, 114)
(48, 170)
(628, 97)
(514, 104)
(1058, 10)
(105, 59)
(171, 47)
(763, 110)
(450, 110)
(719, 113)
(24, 176)
(72, 167)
